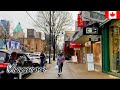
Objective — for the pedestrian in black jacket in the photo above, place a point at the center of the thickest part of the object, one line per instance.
(42, 58)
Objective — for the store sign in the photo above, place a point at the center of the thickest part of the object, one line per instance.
(92, 30)
(74, 45)
(80, 22)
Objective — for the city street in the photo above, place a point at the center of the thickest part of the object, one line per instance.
(35, 38)
(70, 71)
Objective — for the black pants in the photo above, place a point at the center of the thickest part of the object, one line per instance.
(60, 67)
(41, 65)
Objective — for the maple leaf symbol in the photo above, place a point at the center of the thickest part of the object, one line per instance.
(112, 14)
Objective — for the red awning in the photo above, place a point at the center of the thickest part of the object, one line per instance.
(74, 45)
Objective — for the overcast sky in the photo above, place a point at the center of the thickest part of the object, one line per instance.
(21, 16)
(26, 22)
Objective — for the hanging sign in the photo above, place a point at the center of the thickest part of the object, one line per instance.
(80, 22)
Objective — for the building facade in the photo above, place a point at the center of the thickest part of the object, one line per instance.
(111, 47)
(34, 44)
(89, 37)
(18, 32)
(31, 33)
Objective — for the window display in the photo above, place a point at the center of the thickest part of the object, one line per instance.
(114, 46)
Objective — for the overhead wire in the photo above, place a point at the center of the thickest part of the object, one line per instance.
(35, 21)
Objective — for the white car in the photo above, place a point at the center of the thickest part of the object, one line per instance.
(35, 58)
(28, 54)
(37, 53)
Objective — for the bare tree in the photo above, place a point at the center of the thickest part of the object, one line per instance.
(60, 21)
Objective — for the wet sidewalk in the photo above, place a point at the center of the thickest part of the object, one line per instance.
(70, 71)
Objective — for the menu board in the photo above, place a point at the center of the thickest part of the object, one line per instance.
(74, 58)
(90, 62)
(90, 58)
(91, 67)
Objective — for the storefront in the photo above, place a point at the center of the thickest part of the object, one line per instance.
(76, 50)
(94, 47)
(90, 44)
(111, 47)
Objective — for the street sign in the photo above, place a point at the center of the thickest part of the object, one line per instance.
(88, 30)
(92, 30)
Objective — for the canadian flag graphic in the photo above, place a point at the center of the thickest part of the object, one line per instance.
(112, 14)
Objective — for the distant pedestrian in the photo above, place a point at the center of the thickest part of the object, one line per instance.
(42, 58)
(60, 60)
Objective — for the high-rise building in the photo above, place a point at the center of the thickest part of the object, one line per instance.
(31, 33)
(6, 25)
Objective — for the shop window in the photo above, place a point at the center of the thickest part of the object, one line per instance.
(114, 49)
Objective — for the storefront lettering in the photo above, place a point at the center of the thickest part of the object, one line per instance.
(115, 42)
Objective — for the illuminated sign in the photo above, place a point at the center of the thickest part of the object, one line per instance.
(75, 45)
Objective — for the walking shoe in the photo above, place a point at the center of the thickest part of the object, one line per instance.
(58, 74)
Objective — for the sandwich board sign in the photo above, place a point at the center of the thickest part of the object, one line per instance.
(90, 62)
(74, 58)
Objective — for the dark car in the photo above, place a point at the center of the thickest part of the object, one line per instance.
(23, 61)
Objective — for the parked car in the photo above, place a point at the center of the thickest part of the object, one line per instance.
(35, 58)
(28, 54)
(37, 53)
(23, 61)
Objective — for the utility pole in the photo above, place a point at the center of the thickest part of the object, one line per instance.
(50, 39)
